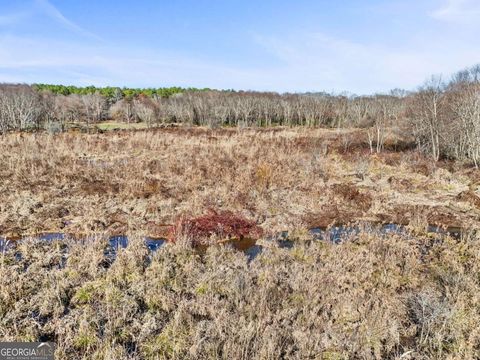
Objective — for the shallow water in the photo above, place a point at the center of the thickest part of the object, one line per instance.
(335, 234)
(5, 245)
(253, 252)
(115, 242)
(118, 241)
(51, 236)
(121, 242)
(154, 244)
(454, 232)
(338, 233)
(285, 244)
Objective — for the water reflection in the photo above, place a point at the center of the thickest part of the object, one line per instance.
(335, 234)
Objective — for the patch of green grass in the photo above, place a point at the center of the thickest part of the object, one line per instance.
(84, 341)
(113, 125)
(87, 293)
(201, 289)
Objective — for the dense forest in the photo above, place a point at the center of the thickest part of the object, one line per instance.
(111, 92)
(443, 117)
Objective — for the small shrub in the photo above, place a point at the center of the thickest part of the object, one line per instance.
(221, 225)
(351, 194)
(263, 176)
(53, 127)
(361, 168)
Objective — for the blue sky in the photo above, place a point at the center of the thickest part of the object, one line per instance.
(361, 46)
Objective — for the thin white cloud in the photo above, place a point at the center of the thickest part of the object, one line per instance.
(11, 19)
(306, 62)
(56, 15)
(466, 12)
(322, 62)
(71, 63)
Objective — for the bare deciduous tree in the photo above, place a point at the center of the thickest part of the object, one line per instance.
(427, 115)
(123, 110)
(20, 107)
(146, 110)
(94, 106)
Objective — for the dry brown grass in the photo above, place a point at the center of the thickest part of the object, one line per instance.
(139, 181)
(371, 297)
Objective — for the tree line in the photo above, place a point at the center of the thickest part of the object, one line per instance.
(445, 116)
(442, 116)
(111, 92)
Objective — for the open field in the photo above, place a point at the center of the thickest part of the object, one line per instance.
(203, 180)
(114, 125)
(411, 295)
(285, 179)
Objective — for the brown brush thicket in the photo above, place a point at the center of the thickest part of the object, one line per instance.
(370, 297)
(445, 117)
(282, 179)
(442, 116)
(212, 108)
(213, 226)
(403, 159)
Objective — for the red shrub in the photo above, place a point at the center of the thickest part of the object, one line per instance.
(220, 225)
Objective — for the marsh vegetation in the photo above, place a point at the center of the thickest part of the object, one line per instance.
(200, 224)
(373, 295)
(370, 297)
(442, 116)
